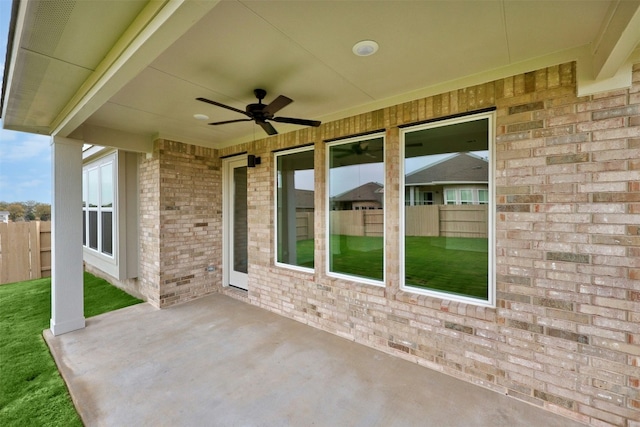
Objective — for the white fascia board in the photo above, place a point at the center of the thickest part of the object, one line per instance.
(157, 28)
(94, 152)
(11, 62)
(107, 137)
(589, 85)
(618, 37)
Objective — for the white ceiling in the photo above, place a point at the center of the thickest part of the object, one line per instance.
(85, 76)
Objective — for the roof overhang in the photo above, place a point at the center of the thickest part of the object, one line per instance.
(125, 73)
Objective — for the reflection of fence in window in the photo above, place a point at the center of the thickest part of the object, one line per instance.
(357, 222)
(447, 221)
(304, 225)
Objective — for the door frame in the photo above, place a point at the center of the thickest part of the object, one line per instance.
(228, 165)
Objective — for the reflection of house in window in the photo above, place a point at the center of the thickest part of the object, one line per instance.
(461, 179)
(366, 197)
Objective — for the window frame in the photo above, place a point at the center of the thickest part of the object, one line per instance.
(275, 207)
(491, 232)
(457, 191)
(124, 264)
(98, 165)
(329, 209)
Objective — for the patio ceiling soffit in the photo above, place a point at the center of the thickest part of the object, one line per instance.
(159, 25)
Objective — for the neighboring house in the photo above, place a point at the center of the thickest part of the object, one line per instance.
(4, 216)
(172, 211)
(365, 197)
(461, 179)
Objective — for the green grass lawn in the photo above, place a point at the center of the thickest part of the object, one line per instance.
(455, 265)
(304, 253)
(32, 392)
(361, 256)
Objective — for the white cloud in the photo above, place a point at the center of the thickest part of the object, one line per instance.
(32, 183)
(22, 187)
(23, 148)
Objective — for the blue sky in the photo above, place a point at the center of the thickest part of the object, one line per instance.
(25, 159)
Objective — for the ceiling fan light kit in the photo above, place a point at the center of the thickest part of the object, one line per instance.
(262, 114)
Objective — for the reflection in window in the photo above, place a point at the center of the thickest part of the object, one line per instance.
(106, 186)
(94, 185)
(295, 208)
(356, 208)
(240, 218)
(98, 196)
(446, 243)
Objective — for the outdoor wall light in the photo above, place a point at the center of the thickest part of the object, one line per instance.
(252, 161)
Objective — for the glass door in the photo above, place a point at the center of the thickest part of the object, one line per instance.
(235, 248)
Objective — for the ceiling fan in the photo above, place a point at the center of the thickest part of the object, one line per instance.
(262, 113)
(358, 148)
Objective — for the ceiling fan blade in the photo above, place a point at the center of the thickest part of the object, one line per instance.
(277, 104)
(208, 101)
(303, 122)
(229, 121)
(268, 128)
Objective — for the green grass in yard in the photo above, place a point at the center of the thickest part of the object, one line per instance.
(304, 253)
(31, 389)
(361, 256)
(455, 265)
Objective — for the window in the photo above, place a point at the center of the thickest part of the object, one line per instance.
(416, 196)
(447, 246)
(483, 197)
(356, 209)
(97, 205)
(466, 196)
(295, 208)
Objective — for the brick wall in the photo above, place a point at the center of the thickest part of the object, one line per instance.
(565, 334)
(149, 228)
(180, 223)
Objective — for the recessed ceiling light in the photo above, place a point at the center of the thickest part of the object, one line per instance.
(201, 117)
(365, 48)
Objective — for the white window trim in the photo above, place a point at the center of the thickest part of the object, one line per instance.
(491, 279)
(112, 160)
(329, 273)
(275, 209)
(123, 264)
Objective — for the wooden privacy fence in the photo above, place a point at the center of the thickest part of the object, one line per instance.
(447, 220)
(430, 220)
(304, 225)
(25, 251)
(358, 223)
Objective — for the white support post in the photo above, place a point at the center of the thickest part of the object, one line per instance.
(67, 293)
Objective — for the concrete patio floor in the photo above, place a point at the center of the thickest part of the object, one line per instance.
(217, 361)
